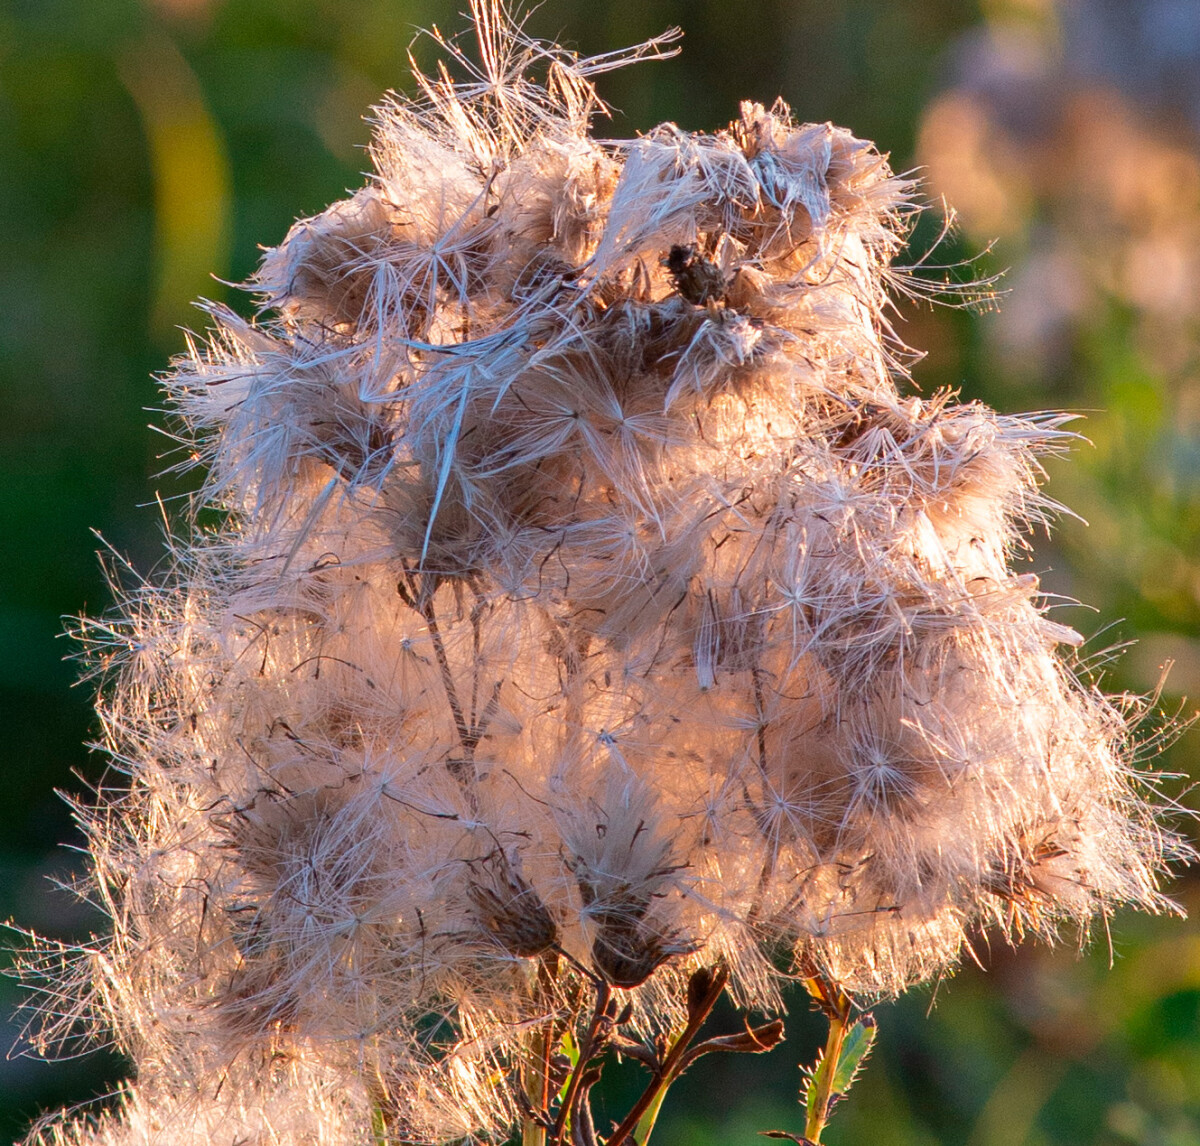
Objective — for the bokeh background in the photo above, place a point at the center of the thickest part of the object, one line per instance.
(148, 146)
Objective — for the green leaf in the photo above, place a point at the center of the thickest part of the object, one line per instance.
(646, 1125)
(856, 1045)
(859, 1040)
(379, 1130)
(811, 1085)
(569, 1048)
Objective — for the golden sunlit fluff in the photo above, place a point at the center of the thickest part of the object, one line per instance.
(587, 607)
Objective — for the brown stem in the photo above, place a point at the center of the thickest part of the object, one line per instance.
(439, 651)
(768, 866)
(587, 1050)
(420, 597)
(477, 611)
(760, 710)
(698, 1011)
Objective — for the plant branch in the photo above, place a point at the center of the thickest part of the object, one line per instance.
(537, 1066)
(704, 989)
(836, 1004)
(587, 1051)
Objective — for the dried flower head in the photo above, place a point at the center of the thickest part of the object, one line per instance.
(589, 607)
(510, 911)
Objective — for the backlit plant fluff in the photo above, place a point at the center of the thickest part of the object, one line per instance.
(591, 625)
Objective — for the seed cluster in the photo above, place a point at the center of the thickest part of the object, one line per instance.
(587, 601)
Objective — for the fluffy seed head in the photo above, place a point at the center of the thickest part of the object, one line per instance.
(588, 600)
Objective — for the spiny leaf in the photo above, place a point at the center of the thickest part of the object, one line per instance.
(860, 1038)
(809, 1089)
(856, 1045)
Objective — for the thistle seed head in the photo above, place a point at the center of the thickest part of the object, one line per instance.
(510, 911)
(587, 592)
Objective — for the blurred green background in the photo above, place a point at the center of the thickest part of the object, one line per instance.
(148, 146)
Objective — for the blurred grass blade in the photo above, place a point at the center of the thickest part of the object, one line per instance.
(192, 185)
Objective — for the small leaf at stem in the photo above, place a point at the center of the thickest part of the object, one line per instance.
(855, 1048)
(799, 1139)
(811, 1085)
(582, 1129)
(648, 1056)
(757, 1040)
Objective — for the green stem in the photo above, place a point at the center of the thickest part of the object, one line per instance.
(378, 1125)
(381, 1128)
(539, 1049)
(836, 1005)
(533, 1133)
